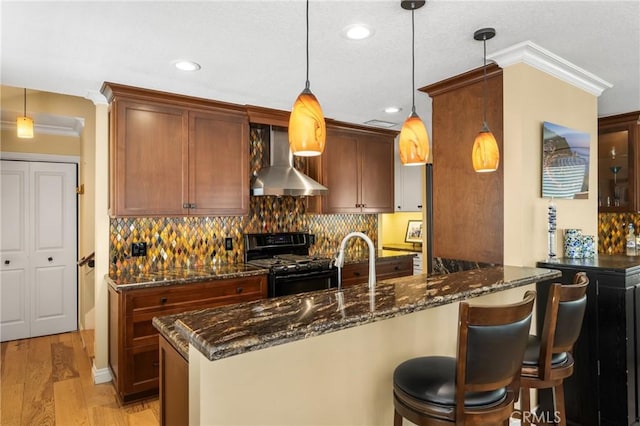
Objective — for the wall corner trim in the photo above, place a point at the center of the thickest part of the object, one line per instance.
(96, 97)
(100, 375)
(531, 54)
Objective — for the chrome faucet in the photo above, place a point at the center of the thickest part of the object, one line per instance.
(339, 262)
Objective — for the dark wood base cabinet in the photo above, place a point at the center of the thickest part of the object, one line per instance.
(174, 386)
(133, 341)
(604, 387)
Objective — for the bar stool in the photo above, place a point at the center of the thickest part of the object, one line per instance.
(480, 385)
(547, 360)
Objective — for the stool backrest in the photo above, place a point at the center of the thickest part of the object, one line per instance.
(566, 305)
(491, 345)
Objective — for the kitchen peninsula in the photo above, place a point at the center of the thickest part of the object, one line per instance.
(325, 357)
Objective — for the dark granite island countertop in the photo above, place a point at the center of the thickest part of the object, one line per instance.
(232, 330)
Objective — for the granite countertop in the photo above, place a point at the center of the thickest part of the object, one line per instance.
(231, 330)
(167, 327)
(416, 248)
(135, 280)
(620, 263)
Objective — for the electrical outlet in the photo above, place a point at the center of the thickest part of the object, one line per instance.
(138, 249)
(228, 244)
(312, 239)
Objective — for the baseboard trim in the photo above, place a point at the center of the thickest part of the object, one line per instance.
(101, 375)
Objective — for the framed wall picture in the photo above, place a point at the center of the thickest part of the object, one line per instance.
(565, 162)
(414, 232)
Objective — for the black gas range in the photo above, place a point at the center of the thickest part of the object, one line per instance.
(291, 269)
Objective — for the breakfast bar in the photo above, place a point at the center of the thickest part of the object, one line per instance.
(326, 357)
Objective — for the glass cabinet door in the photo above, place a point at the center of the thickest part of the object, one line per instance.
(618, 163)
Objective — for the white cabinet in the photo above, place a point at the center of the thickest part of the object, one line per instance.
(408, 185)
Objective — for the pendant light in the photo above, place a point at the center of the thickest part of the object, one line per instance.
(485, 154)
(414, 140)
(307, 129)
(24, 124)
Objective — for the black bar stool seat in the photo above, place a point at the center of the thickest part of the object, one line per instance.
(477, 387)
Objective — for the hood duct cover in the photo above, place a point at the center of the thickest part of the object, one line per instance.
(281, 178)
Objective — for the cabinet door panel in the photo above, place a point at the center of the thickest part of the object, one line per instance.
(341, 174)
(376, 165)
(150, 155)
(218, 163)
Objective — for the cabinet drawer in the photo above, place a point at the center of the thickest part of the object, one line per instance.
(358, 273)
(172, 297)
(395, 268)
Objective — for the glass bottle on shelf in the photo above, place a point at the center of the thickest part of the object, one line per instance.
(631, 241)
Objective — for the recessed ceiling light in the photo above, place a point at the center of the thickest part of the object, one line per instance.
(186, 65)
(380, 123)
(392, 109)
(357, 32)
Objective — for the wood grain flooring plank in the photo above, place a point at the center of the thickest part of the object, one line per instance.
(70, 407)
(38, 405)
(11, 404)
(107, 415)
(142, 418)
(14, 362)
(62, 361)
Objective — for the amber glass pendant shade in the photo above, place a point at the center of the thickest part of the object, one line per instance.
(307, 129)
(485, 155)
(414, 142)
(25, 127)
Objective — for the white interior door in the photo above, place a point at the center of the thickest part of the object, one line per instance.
(14, 256)
(48, 281)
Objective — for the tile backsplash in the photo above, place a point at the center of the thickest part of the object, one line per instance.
(175, 242)
(612, 231)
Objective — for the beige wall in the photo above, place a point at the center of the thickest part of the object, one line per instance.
(530, 98)
(341, 378)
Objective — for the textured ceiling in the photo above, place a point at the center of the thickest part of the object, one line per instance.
(253, 52)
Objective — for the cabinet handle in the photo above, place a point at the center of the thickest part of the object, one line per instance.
(396, 268)
(357, 274)
(239, 290)
(419, 206)
(185, 205)
(6, 262)
(156, 364)
(399, 207)
(163, 300)
(192, 206)
(50, 259)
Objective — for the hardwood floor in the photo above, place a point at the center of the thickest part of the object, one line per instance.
(48, 381)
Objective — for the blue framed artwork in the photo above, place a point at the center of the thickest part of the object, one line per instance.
(565, 162)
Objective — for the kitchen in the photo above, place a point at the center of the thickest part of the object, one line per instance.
(522, 212)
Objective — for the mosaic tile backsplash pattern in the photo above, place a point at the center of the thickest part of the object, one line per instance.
(177, 242)
(612, 231)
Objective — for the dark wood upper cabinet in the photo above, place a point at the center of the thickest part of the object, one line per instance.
(173, 155)
(618, 159)
(357, 167)
(468, 207)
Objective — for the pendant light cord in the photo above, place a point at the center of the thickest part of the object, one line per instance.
(306, 85)
(413, 64)
(25, 102)
(484, 84)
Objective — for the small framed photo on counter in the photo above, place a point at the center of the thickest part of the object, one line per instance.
(414, 232)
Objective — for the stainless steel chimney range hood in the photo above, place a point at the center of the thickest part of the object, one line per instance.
(280, 177)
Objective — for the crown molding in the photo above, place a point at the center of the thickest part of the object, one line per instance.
(531, 54)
